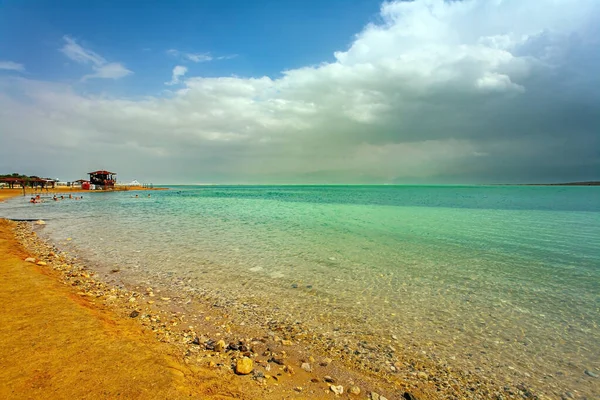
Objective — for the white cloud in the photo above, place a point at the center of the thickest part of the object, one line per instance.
(474, 89)
(109, 71)
(178, 72)
(101, 67)
(198, 57)
(77, 53)
(12, 66)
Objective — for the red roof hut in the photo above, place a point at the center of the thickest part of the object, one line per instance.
(104, 179)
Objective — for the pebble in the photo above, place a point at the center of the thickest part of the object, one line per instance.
(42, 263)
(244, 366)
(355, 390)
(220, 346)
(337, 389)
(326, 361)
(134, 314)
(328, 379)
(40, 222)
(278, 360)
(306, 367)
(422, 375)
(30, 259)
(286, 342)
(590, 373)
(409, 396)
(289, 369)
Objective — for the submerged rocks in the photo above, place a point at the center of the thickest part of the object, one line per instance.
(590, 373)
(244, 366)
(325, 362)
(306, 367)
(339, 389)
(355, 390)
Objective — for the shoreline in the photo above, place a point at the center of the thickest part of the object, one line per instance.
(6, 193)
(278, 363)
(280, 345)
(65, 342)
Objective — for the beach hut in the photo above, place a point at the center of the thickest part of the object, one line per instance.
(11, 182)
(103, 179)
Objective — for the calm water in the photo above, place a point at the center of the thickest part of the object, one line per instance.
(505, 278)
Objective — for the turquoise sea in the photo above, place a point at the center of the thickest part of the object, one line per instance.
(504, 280)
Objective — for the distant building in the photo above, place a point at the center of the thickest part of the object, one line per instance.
(103, 179)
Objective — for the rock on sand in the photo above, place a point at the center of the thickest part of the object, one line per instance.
(244, 366)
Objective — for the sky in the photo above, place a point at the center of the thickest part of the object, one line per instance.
(302, 92)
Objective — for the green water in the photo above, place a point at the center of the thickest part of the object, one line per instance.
(505, 278)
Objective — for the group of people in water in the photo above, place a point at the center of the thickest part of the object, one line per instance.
(38, 199)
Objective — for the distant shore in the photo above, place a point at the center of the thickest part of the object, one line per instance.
(587, 183)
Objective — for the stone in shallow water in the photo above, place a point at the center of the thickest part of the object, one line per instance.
(244, 366)
(337, 389)
(590, 373)
(306, 367)
(326, 361)
(40, 222)
(355, 390)
(30, 259)
(134, 314)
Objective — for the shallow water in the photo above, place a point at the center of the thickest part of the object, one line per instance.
(501, 279)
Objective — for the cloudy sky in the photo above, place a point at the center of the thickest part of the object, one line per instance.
(424, 91)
